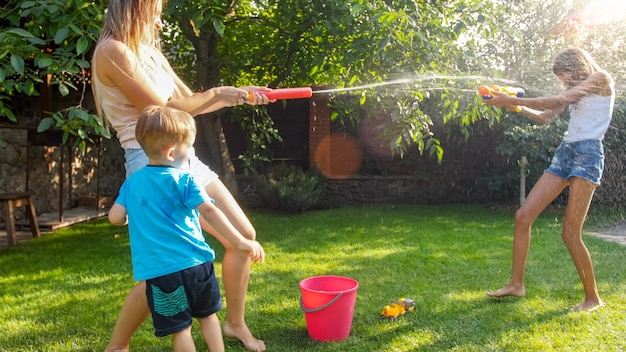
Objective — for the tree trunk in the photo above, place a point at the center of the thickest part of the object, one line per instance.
(211, 141)
(212, 149)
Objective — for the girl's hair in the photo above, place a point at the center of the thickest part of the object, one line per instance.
(160, 127)
(132, 22)
(575, 62)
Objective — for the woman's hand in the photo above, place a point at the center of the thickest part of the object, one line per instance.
(255, 95)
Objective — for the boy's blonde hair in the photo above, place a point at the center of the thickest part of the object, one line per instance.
(160, 127)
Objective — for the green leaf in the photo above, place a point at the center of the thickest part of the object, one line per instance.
(44, 62)
(28, 4)
(61, 34)
(18, 64)
(219, 26)
(20, 32)
(63, 89)
(82, 45)
(45, 124)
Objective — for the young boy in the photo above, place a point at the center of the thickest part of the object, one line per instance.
(162, 205)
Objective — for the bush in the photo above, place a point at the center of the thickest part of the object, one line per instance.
(289, 189)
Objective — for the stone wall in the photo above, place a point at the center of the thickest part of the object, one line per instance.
(36, 166)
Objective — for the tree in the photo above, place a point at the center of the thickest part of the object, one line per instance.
(48, 42)
(291, 43)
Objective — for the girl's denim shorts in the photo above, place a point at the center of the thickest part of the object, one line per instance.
(583, 159)
(137, 159)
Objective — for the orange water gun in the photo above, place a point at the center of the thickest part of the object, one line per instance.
(487, 93)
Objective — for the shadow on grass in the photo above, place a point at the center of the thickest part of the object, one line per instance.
(63, 292)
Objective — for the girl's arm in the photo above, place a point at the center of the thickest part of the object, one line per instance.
(540, 116)
(598, 82)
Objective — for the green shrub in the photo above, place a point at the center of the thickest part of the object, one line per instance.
(290, 189)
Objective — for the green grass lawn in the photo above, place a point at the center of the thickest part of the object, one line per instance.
(62, 292)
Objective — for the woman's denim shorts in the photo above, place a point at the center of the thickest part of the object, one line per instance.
(137, 159)
(583, 159)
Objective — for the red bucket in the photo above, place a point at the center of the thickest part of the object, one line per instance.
(328, 306)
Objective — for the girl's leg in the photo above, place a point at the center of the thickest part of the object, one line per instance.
(235, 267)
(547, 188)
(580, 195)
(182, 341)
(212, 333)
(134, 311)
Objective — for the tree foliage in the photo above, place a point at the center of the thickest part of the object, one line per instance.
(48, 42)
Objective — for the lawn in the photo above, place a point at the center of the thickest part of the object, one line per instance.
(62, 292)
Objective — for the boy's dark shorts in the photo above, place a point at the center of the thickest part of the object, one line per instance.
(176, 298)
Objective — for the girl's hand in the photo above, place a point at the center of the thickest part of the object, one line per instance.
(500, 100)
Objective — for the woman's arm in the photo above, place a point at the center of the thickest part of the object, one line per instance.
(117, 68)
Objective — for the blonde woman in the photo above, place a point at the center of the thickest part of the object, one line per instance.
(129, 74)
(577, 163)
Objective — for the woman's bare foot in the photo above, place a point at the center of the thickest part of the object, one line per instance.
(508, 290)
(243, 334)
(587, 306)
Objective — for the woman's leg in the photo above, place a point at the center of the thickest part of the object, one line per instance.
(547, 188)
(134, 311)
(580, 195)
(235, 267)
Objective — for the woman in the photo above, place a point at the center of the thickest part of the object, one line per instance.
(131, 73)
(578, 164)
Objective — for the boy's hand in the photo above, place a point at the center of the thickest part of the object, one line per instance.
(254, 249)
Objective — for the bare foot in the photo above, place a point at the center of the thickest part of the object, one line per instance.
(587, 306)
(117, 349)
(508, 290)
(243, 334)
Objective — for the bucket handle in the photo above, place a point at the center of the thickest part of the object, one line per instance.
(313, 310)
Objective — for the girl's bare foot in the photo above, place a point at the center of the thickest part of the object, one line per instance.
(587, 306)
(243, 334)
(508, 290)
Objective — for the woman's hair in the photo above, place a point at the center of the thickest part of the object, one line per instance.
(575, 62)
(160, 127)
(132, 22)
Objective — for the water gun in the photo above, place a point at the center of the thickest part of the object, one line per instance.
(284, 93)
(487, 93)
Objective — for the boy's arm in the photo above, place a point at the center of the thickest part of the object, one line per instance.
(219, 222)
(117, 215)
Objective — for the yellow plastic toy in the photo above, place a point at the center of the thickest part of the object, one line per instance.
(398, 308)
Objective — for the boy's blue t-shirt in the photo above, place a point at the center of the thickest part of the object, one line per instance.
(164, 225)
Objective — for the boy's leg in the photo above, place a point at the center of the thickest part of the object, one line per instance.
(235, 268)
(212, 333)
(134, 311)
(183, 341)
